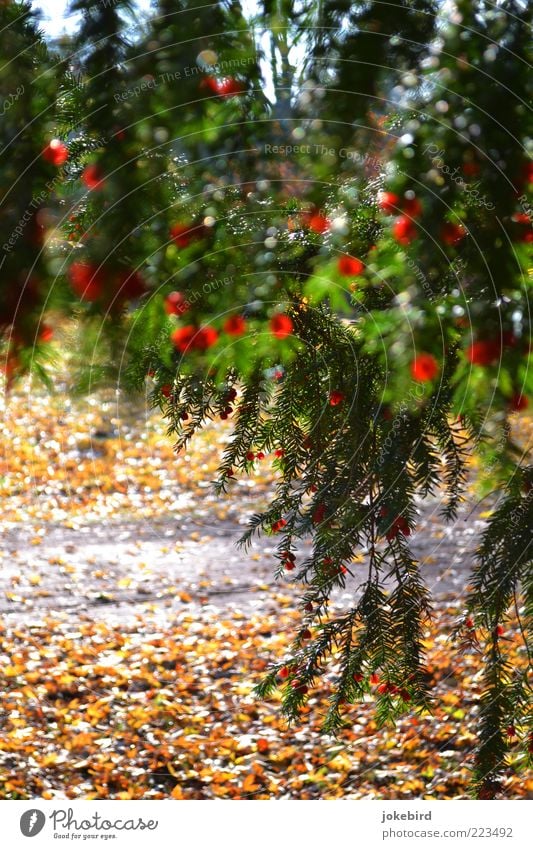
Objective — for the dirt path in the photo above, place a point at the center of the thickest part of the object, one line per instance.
(119, 569)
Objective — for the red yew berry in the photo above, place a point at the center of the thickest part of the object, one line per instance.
(288, 555)
(182, 337)
(281, 326)
(93, 178)
(235, 325)
(318, 513)
(306, 634)
(260, 455)
(319, 223)
(130, 285)
(510, 731)
(279, 452)
(231, 394)
(483, 352)
(86, 280)
(308, 607)
(184, 416)
(288, 565)
(55, 152)
(469, 622)
(205, 338)
(299, 687)
(412, 207)
(518, 402)
(452, 233)
(383, 689)
(470, 169)
(374, 678)
(424, 367)
(226, 87)
(499, 630)
(250, 456)
(46, 333)
(336, 397)
(183, 234)
(176, 303)
(388, 202)
(284, 672)
(404, 230)
(358, 677)
(166, 389)
(350, 266)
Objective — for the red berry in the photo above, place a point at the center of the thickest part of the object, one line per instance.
(518, 402)
(319, 223)
(358, 677)
(499, 630)
(306, 634)
(383, 688)
(281, 326)
(405, 695)
(184, 416)
(46, 333)
(226, 87)
(183, 234)
(284, 672)
(279, 452)
(235, 325)
(86, 280)
(424, 367)
(470, 169)
(288, 565)
(388, 202)
(250, 456)
(299, 687)
(404, 230)
(205, 338)
(55, 152)
(176, 303)
(260, 455)
(93, 177)
(336, 397)
(510, 731)
(288, 555)
(318, 514)
(231, 395)
(130, 285)
(469, 623)
(182, 337)
(166, 389)
(350, 266)
(374, 678)
(483, 352)
(412, 207)
(452, 233)
(308, 607)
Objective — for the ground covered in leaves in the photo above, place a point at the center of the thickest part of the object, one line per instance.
(132, 632)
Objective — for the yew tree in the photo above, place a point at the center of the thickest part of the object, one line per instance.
(310, 219)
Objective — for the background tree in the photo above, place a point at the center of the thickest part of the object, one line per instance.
(314, 223)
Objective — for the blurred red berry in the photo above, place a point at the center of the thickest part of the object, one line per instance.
(176, 303)
(319, 223)
(404, 230)
(350, 266)
(336, 397)
(281, 326)
(306, 634)
(235, 325)
(518, 402)
(424, 367)
(46, 333)
(284, 672)
(412, 207)
(388, 202)
(182, 337)
(374, 678)
(318, 514)
(93, 178)
(483, 352)
(452, 233)
(86, 280)
(55, 152)
(205, 338)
